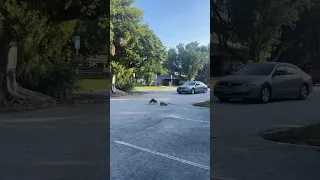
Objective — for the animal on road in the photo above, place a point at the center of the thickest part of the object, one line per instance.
(163, 104)
(153, 101)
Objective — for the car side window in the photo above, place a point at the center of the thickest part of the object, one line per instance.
(282, 70)
(291, 70)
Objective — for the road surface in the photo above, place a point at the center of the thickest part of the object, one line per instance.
(238, 153)
(55, 144)
(160, 142)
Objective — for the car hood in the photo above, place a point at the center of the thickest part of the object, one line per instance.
(244, 78)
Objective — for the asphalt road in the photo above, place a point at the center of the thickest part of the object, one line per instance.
(160, 142)
(239, 153)
(55, 144)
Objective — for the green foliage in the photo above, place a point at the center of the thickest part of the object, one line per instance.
(188, 59)
(258, 24)
(136, 44)
(122, 74)
(56, 79)
(44, 32)
(126, 86)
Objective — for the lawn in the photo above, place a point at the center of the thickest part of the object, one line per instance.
(306, 135)
(93, 84)
(145, 88)
(203, 104)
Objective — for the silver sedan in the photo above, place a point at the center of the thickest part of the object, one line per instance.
(264, 81)
(192, 87)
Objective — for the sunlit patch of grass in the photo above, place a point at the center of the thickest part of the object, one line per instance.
(141, 88)
(203, 104)
(94, 84)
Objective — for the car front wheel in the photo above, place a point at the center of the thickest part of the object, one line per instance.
(265, 94)
(193, 91)
(303, 92)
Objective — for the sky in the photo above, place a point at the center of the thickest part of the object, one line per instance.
(178, 21)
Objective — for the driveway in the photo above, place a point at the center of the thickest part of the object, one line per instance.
(238, 153)
(160, 142)
(55, 144)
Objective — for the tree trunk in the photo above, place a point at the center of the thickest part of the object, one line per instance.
(8, 61)
(10, 89)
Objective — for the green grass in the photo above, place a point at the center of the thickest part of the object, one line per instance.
(93, 84)
(141, 88)
(307, 135)
(203, 104)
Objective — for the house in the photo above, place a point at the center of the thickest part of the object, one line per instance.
(166, 79)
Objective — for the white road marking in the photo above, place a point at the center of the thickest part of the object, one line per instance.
(164, 155)
(27, 120)
(181, 118)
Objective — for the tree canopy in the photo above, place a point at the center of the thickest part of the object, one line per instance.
(257, 24)
(43, 32)
(188, 59)
(136, 45)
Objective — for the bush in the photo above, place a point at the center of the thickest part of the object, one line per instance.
(57, 79)
(126, 86)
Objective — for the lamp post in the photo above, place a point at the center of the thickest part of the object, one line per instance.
(171, 79)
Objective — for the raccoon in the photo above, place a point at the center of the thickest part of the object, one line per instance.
(163, 104)
(153, 101)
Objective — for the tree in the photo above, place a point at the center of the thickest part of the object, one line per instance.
(257, 24)
(136, 45)
(188, 59)
(19, 18)
(303, 41)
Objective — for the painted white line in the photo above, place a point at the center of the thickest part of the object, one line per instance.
(27, 120)
(164, 155)
(174, 117)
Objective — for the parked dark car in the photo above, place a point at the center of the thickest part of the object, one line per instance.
(192, 87)
(265, 81)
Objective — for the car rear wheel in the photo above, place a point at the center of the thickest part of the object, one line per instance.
(179, 92)
(303, 92)
(193, 91)
(265, 94)
(204, 90)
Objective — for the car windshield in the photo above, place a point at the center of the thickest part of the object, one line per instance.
(190, 83)
(256, 69)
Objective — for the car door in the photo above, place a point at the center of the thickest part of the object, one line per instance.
(294, 80)
(203, 86)
(279, 82)
(198, 87)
